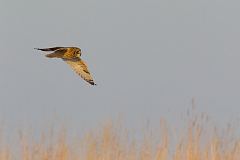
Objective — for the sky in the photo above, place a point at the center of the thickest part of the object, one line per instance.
(149, 58)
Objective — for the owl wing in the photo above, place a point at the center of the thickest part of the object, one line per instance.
(79, 66)
(48, 49)
(59, 53)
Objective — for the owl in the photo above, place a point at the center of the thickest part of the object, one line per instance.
(71, 55)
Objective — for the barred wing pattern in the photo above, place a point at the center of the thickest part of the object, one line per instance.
(79, 66)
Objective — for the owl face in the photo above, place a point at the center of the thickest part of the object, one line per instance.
(78, 52)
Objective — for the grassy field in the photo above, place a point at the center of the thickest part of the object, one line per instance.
(197, 141)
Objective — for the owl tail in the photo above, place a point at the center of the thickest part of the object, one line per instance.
(54, 55)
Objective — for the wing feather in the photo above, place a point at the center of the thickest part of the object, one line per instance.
(80, 67)
(59, 53)
(48, 49)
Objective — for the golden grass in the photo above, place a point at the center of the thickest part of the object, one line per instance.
(113, 142)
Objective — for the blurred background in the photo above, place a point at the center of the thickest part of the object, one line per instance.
(148, 58)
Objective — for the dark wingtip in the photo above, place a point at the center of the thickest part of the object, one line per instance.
(92, 83)
(36, 48)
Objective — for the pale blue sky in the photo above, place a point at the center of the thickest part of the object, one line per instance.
(149, 58)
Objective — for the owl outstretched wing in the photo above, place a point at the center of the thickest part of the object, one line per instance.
(79, 66)
(58, 51)
(48, 49)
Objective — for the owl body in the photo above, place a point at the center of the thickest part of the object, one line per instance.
(71, 55)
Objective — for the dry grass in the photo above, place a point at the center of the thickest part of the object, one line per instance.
(113, 142)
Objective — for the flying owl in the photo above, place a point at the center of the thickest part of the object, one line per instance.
(71, 55)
